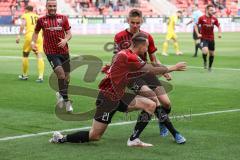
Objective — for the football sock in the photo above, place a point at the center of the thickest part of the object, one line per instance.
(78, 137)
(196, 49)
(142, 122)
(163, 118)
(63, 85)
(176, 47)
(204, 58)
(25, 66)
(211, 59)
(40, 68)
(165, 47)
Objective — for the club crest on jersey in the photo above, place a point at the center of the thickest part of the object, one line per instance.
(59, 21)
(125, 44)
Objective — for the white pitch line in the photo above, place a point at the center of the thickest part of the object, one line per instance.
(113, 124)
(193, 67)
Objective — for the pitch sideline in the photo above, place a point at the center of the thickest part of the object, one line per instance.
(113, 124)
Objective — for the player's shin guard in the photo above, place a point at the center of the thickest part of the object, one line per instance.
(25, 66)
(78, 137)
(63, 88)
(40, 68)
(162, 116)
(211, 59)
(142, 122)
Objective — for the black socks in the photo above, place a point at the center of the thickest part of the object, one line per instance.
(142, 122)
(78, 137)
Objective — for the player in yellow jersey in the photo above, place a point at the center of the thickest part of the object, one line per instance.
(172, 22)
(28, 22)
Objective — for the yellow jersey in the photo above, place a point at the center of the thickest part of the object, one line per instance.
(30, 22)
(171, 23)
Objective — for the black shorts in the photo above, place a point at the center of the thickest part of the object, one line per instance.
(148, 79)
(106, 108)
(59, 60)
(208, 43)
(195, 37)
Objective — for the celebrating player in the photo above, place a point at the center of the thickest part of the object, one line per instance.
(56, 33)
(28, 22)
(112, 96)
(147, 85)
(206, 34)
(172, 22)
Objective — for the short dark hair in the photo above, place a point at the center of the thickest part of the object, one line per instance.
(196, 5)
(209, 6)
(139, 38)
(179, 11)
(135, 13)
(29, 8)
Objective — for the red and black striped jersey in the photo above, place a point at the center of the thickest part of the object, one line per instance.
(122, 40)
(54, 28)
(207, 26)
(125, 63)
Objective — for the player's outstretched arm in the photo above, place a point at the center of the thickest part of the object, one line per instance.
(161, 69)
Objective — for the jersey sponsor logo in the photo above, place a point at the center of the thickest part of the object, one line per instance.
(54, 28)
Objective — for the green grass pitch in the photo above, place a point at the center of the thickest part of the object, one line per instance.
(28, 108)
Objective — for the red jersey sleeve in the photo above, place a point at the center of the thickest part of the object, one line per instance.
(151, 47)
(38, 26)
(66, 25)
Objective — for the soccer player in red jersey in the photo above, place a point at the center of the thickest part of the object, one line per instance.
(56, 34)
(148, 85)
(206, 34)
(112, 96)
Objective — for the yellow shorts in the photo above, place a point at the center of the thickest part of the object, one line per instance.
(171, 35)
(27, 43)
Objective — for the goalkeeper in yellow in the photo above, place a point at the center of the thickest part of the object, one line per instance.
(173, 20)
(28, 22)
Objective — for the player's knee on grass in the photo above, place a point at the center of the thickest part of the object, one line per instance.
(93, 136)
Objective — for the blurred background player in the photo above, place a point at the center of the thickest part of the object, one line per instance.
(206, 34)
(195, 16)
(172, 22)
(28, 22)
(56, 34)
